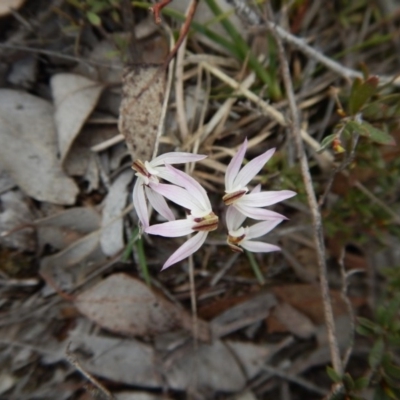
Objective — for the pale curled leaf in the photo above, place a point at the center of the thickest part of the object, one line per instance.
(28, 148)
(75, 97)
(6, 6)
(141, 109)
(112, 236)
(125, 305)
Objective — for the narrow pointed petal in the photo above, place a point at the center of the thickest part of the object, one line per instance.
(264, 199)
(256, 189)
(139, 201)
(234, 167)
(250, 170)
(180, 227)
(234, 219)
(159, 204)
(258, 213)
(176, 158)
(177, 195)
(259, 247)
(192, 186)
(262, 228)
(188, 248)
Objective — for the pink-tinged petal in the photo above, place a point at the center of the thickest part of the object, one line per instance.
(192, 186)
(180, 227)
(139, 201)
(259, 247)
(188, 248)
(234, 219)
(234, 166)
(250, 170)
(159, 204)
(264, 199)
(176, 194)
(176, 158)
(262, 228)
(256, 189)
(258, 213)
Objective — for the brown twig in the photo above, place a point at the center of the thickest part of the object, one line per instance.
(312, 201)
(73, 361)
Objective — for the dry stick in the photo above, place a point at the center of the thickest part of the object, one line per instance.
(182, 35)
(312, 201)
(257, 22)
(73, 361)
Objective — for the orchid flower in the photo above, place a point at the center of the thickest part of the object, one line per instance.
(239, 237)
(201, 219)
(152, 172)
(237, 196)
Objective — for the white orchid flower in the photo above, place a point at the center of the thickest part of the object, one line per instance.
(237, 196)
(240, 238)
(201, 219)
(152, 172)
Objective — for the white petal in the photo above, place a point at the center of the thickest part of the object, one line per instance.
(259, 247)
(256, 189)
(264, 199)
(176, 158)
(177, 195)
(258, 213)
(234, 166)
(139, 201)
(261, 229)
(250, 170)
(234, 219)
(188, 248)
(192, 186)
(159, 204)
(180, 227)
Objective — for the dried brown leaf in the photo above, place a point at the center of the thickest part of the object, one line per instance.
(28, 148)
(75, 97)
(125, 305)
(112, 235)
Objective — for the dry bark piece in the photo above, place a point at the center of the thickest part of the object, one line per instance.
(141, 108)
(28, 148)
(75, 97)
(127, 306)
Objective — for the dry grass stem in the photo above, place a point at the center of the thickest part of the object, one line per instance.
(312, 201)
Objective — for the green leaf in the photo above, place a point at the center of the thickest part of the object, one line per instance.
(391, 369)
(361, 92)
(380, 394)
(366, 327)
(376, 354)
(326, 142)
(335, 377)
(369, 131)
(361, 383)
(93, 18)
(348, 382)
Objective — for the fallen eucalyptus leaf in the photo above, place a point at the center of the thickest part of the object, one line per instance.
(112, 235)
(127, 306)
(28, 148)
(75, 97)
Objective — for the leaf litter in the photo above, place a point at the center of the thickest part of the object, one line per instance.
(63, 204)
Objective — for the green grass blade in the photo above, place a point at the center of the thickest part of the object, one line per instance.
(255, 267)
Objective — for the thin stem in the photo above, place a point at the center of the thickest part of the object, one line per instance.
(142, 261)
(256, 268)
(312, 201)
